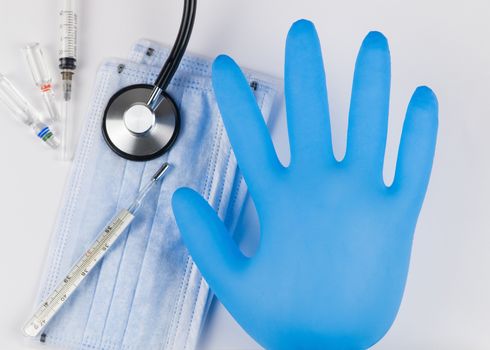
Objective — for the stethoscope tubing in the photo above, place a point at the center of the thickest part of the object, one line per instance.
(178, 50)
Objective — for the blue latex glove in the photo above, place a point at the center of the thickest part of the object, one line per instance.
(335, 240)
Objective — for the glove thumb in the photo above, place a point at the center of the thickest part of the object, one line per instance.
(214, 251)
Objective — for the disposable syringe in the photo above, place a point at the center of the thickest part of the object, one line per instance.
(68, 45)
(89, 259)
(24, 112)
(68, 64)
(42, 78)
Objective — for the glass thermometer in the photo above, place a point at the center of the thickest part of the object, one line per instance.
(87, 262)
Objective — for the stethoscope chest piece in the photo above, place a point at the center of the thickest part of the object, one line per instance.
(141, 122)
(136, 132)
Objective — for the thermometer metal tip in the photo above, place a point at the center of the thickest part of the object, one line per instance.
(163, 169)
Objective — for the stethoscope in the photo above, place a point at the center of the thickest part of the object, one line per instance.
(141, 122)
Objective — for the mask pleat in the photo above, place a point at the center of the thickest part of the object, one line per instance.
(111, 263)
(146, 293)
(157, 299)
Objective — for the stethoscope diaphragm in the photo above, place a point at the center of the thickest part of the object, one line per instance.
(133, 130)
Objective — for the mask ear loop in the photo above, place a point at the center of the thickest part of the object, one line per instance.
(175, 56)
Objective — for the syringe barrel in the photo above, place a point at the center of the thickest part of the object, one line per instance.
(68, 35)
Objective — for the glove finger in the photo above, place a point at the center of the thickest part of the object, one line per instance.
(306, 97)
(245, 126)
(417, 145)
(210, 244)
(368, 116)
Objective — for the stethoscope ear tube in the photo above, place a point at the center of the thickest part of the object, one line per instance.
(180, 45)
(176, 54)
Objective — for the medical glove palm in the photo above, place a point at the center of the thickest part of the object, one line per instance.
(331, 266)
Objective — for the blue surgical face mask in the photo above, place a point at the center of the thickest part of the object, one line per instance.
(146, 293)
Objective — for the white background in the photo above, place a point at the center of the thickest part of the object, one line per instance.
(444, 44)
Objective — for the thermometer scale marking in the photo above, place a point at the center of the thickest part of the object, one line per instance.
(78, 273)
